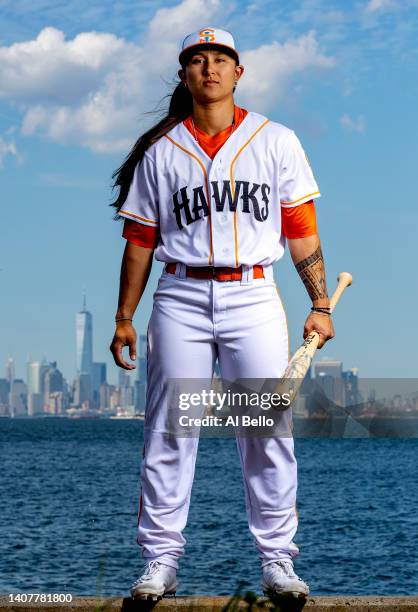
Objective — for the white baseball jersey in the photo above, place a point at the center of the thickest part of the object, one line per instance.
(225, 211)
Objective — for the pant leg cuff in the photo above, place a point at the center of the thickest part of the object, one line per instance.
(165, 560)
(285, 556)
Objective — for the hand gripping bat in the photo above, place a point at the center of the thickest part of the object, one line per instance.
(302, 359)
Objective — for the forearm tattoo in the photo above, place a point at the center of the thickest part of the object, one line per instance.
(312, 272)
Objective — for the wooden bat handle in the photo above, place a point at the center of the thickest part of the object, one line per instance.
(301, 360)
(344, 280)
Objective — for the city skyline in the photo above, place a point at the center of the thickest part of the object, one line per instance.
(45, 390)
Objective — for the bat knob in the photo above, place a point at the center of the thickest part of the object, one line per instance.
(345, 277)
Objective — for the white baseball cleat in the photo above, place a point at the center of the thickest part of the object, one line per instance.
(279, 579)
(157, 580)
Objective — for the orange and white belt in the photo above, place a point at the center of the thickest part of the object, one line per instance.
(215, 273)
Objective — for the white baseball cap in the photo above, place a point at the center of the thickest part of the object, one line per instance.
(208, 37)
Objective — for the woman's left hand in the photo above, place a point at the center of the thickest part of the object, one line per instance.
(321, 324)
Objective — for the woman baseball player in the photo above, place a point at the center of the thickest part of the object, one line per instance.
(215, 190)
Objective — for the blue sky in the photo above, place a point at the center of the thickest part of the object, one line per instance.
(76, 80)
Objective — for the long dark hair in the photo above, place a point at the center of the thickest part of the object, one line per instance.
(180, 107)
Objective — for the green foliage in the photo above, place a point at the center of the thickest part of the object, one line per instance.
(251, 602)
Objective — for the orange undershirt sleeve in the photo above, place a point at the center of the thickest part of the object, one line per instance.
(140, 234)
(299, 221)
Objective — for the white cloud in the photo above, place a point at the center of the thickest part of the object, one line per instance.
(378, 5)
(8, 148)
(94, 90)
(353, 125)
(51, 70)
(168, 23)
(269, 69)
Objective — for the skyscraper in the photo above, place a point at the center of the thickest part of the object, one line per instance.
(328, 374)
(99, 378)
(84, 342)
(10, 370)
(124, 378)
(54, 380)
(4, 396)
(34, 382)
(17, 397)
(82, 389)
(353, 397)
(33, 379)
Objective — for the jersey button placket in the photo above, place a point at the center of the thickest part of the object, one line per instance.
(222, 217)
(220, 221)
(215, 250)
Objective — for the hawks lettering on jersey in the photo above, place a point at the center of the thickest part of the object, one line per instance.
(225, 210)
(190, 205)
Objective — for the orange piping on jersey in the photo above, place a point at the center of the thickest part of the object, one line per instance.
(233, 187)
(207, 191)
(138, 217)
(309, 195)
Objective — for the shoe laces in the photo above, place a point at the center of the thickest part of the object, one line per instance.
(286, 566)
(152, 568)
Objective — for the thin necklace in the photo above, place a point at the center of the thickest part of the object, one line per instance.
(194, 129)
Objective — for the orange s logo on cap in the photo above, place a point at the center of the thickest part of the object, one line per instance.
(207, 35)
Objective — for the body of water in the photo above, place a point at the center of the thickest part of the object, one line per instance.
(69, 504)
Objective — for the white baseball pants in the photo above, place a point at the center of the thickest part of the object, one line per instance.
(193, 322)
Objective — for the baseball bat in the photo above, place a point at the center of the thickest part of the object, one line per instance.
(302, 359)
